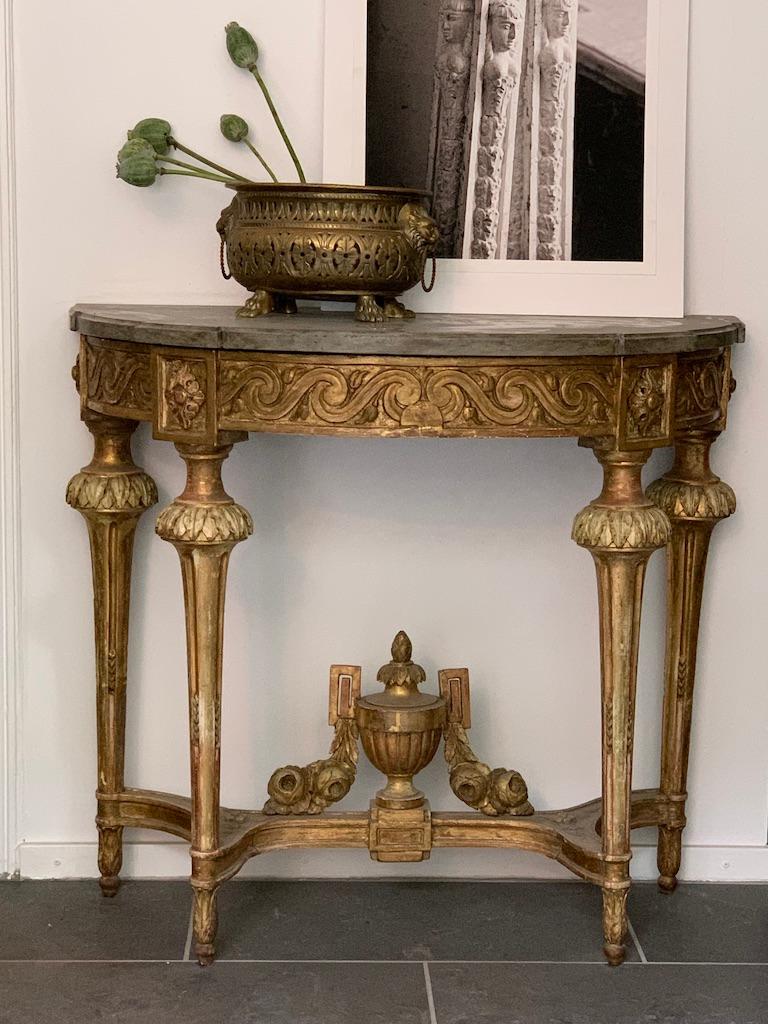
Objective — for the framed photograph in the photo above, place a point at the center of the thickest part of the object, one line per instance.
(551, 134)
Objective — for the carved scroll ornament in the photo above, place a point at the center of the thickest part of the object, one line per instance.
(391, 397)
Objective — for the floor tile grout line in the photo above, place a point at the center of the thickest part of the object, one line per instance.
(410, 963)
(430, 993)
(633, 933)
(188, 942)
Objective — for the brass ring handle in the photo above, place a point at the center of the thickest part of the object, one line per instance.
(429, 288)
(225, 272)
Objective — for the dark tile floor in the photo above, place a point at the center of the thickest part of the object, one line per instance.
(381, 953)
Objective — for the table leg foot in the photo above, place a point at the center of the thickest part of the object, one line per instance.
(205, 920)
(669, 857)
(615, 925)
(110, 859)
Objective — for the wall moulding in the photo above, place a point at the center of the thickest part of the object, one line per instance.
(10, 519)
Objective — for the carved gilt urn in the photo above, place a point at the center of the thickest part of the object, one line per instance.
(401, 728)
(342, 242)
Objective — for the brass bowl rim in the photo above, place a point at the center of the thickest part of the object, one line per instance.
(308, 188)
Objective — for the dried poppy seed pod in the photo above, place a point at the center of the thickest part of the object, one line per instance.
(154, 130)
(135, 147)
(234, 128)
(241, 46)
(139, 168)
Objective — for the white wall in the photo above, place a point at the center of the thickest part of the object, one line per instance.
(465, 544)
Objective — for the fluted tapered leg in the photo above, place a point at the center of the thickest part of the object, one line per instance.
(111, 493)
(204, 524)
(622, 529)
(695, 501)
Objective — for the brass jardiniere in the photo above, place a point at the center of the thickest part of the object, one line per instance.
(341, 242)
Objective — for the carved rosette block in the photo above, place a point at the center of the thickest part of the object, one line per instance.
(313, 788)
(111, 493)
(621, 529)
(695, 500)
(492, 791)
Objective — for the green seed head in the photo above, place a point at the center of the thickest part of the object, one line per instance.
(154, 130)
(134, 147)
(139, 168)
(241, 46)
(234, 128)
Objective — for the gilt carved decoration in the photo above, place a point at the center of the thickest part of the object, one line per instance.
(389, 397)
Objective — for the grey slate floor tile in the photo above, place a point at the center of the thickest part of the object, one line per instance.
(586, 994)
(225, 994)
(73, 921)
(411, 920)
(702, 923)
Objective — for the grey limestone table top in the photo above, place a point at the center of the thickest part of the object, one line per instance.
(313, 332)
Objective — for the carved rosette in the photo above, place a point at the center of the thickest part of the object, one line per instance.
(184, 393)
(186, 523)
(310, 790)
(493, 792)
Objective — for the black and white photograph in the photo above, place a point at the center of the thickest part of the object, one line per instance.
(526, 120)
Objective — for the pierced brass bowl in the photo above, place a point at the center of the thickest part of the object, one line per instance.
(342, 242)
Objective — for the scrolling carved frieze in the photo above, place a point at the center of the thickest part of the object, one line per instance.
(118, 378)
(275, 394)
(703, 389)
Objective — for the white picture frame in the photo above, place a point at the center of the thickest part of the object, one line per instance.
(653, 287)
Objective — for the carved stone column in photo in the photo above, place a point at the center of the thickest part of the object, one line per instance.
(455, 67)
(501, 159)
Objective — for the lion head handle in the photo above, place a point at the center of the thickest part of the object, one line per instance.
(423, 235)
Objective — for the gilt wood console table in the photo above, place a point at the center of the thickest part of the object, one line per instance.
(205, 379)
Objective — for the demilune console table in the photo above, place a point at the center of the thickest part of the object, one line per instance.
(205, 379)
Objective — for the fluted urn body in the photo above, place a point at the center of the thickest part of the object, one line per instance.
(401, 728)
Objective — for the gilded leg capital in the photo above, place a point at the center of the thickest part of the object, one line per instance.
(111, 483)
(622, 519)
(690, 490)
(204, 514)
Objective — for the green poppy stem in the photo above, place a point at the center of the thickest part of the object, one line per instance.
(197, 174)
(210, 163)
(191, 167)
(261, 159)
(263, 86)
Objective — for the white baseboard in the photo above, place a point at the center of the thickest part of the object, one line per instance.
(170, 860)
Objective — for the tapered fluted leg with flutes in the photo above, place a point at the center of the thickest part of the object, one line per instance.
(111, 493)
(204, 524)
(695, 501)
(621, 529)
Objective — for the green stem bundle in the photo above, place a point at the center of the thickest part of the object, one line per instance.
(280, 127)
(261, 159)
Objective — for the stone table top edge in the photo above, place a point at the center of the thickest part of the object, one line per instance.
(431, 335)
